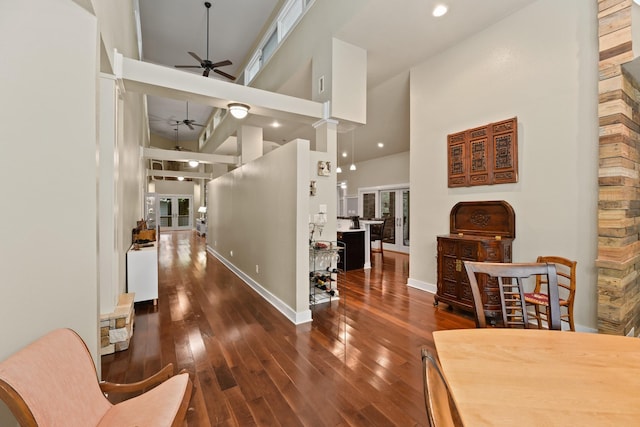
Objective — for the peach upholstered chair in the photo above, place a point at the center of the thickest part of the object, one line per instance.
(53, 382)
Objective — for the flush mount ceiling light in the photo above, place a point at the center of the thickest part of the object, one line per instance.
(380, 144)
(181, 178)
(237, 110)
(439, 10)
(193, 163)
(338, 169)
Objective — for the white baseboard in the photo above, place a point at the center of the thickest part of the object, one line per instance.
(423, 286)
(295, 317)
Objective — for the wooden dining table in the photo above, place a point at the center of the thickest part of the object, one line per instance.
(526, 377)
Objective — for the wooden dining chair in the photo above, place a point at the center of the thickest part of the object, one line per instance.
(441, 411)
(509, 278)
(539, 300)
(53, 382)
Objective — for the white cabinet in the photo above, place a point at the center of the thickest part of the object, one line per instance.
(142, 272)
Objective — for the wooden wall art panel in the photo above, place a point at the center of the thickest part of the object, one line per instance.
(484, 155)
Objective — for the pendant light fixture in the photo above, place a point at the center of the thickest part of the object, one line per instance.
(353, 165)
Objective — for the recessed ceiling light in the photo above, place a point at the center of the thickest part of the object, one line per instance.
(275, 124)
(181, 178)
(440, 10)
(344, 154)
(380, 144)
(193, 163)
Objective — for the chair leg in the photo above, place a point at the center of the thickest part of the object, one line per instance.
(538, 317)
(572, 326)
(381, 249)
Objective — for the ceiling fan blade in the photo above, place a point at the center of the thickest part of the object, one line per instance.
(206, 72)
(196, 124)
(189, 125)
(222, 73)
(221, 63)
(187, 66)
(196, 57)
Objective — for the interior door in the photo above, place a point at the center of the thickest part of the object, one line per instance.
(175, 212)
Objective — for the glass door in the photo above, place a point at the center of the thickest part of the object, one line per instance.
(394, 204)
(175, 212)
(391, 203)
(369, 204)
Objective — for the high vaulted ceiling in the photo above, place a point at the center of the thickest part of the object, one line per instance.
(396, 35)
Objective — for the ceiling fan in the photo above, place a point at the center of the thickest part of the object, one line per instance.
(190, 123)
(205, 63)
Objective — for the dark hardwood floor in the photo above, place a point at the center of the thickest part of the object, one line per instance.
(357, 364)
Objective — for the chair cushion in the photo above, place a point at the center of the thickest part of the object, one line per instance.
(155, 408)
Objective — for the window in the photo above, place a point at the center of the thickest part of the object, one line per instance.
(269, 47)
(292, 11)
(287, 19)
(253, 67)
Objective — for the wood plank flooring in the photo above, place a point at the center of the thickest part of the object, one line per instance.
(357, 364)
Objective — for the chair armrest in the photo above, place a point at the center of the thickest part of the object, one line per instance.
(155, 379)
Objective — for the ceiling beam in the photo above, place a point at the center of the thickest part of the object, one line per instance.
(175, 174)
(145, 77)
(185, 156)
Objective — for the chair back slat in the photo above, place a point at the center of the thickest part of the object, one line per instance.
(510, 280)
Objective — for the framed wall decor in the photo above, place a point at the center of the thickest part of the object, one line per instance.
(484, 155)
(324, 168)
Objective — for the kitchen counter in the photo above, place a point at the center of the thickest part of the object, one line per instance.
(353, 257)
(344, 226)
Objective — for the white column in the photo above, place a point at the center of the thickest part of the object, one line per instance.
(107, 246)
(250, 143)
(326, 142)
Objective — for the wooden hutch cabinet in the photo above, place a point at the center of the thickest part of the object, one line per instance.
(479, 231)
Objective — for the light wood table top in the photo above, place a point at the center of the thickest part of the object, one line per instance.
(517, 377)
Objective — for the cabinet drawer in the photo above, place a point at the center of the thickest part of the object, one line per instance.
(449, 268)
(448, 247)
(468, 250)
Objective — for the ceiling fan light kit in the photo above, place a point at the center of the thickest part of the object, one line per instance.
(238, 110)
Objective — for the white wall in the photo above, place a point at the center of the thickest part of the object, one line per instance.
(349, 82)
(48, 227)
(257, 216)
(124, 173)
(175, 187)
(388, 170)
(542, 68)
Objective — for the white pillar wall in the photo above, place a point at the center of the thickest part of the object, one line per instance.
(108, 260)
(250, 143)
(326, 149)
